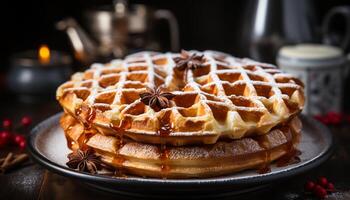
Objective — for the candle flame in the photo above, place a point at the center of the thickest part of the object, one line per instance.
(44, 54)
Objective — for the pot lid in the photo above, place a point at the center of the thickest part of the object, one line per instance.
(310, 52)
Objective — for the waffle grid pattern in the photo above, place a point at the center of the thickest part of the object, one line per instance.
(228, 97)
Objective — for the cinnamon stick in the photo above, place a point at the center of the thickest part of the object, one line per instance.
(7, 160)
(11, 163)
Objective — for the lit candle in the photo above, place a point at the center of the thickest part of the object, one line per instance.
(44, 54)
(37, 73)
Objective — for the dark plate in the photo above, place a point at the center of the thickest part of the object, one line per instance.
(48, 147)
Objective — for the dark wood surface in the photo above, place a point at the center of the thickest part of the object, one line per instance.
(32, 181)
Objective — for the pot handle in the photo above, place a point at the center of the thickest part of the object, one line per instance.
(331, 36)
(173, 27)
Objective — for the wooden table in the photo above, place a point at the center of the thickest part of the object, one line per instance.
(34, 182)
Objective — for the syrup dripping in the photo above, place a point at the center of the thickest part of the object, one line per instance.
(265, 167)
(118, 160)
(266, 154)
(120, 129)
(164, 156)
(88, 133)
(292, 155)
(164, 130)
(70, 143)
(78, 111)
(166, 126)
(91, 116)
(82, 140)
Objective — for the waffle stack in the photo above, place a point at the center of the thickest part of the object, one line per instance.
(194, 114)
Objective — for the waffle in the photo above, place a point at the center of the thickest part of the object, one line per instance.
(227, 97)
(150, 160)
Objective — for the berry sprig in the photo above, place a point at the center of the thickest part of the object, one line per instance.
(9, 136)
(7, 124)
(332, 118)
(320, 188)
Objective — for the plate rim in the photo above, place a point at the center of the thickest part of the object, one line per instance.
(221, 180)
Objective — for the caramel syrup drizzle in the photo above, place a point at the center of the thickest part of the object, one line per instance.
(91, 115)
(265, 167)
(78, 111)
(266, 154)
(89, 132)
(291, 156)
(70, 143)
(164, 131)
(120, 130)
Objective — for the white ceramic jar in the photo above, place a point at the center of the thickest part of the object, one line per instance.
(323, 70)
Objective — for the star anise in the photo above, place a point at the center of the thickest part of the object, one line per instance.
(156, 98)
(189, 61)
(85, 161)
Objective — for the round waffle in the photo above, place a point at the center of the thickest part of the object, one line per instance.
(150, 160)
(225, 97)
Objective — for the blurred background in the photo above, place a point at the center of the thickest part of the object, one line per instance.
(43, 42)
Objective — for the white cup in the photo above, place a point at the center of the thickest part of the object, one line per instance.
(323, 70)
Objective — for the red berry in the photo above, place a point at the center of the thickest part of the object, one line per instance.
(326, 121)
(317, 187)
(323, 119)
(323, 181)
(5, 136)
(6, 123)
(18, 138)
(26, 121)
(22, 145)
(309, 186)
(334, 118)
(330, 187)
(320, 192)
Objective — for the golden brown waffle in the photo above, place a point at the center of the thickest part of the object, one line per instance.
(226, 98)
(223, 157)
